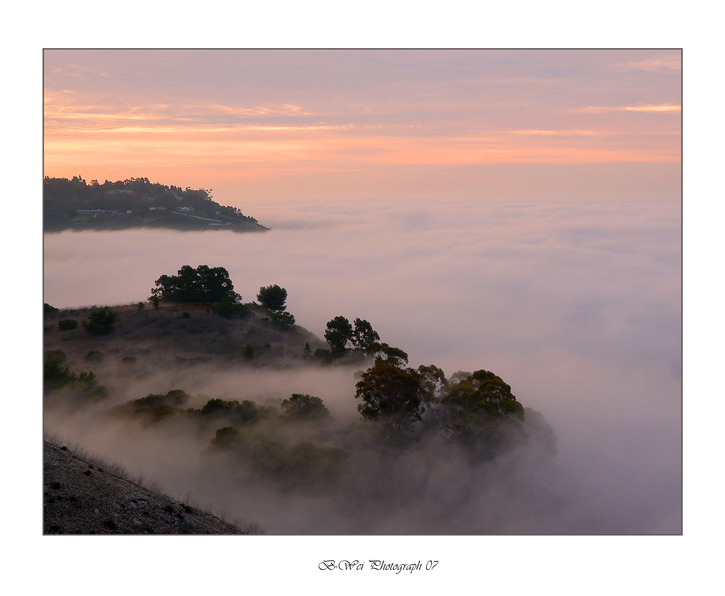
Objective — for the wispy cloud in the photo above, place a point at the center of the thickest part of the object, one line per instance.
(671, 63)
(554, 133)
(665, 107)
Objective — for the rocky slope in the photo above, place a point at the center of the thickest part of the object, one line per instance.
(85, 496)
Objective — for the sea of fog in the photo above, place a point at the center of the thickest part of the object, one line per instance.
(575, 304)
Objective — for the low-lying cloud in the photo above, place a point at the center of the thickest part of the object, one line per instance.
(575, 304)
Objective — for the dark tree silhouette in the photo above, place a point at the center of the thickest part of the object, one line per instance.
(273, 297)
(204, 284)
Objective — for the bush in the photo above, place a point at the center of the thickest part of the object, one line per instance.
(49, 310)
(236, 412)
(67, 324)
(57, 355)
(284, 320)
(248, 352)
(100, 322)
(56, 376)
(225, 438)
(129, 360)
(154, 407)
(94, 356)
(230, 309)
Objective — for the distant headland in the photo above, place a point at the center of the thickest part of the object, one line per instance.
(135, 203)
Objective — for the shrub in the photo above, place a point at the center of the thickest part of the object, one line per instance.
(244, 412)
(67, 324)
(55, 375)
(154, 407)
(284, 320)
(225, 438)
(141, 305)
(57, 355)
(49, 310)
(186, 315)
(302, 466)
(230, 309)
(248, 352)
(94, 356)
(129, 360)
(100, 322)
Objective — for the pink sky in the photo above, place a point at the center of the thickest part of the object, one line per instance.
(278, 125)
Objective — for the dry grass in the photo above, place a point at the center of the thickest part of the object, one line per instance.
(187, 502)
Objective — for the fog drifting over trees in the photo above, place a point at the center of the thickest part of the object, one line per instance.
(575, 304)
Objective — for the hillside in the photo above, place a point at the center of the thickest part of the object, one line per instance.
(134, 203)
(82, 495)
(235, 404)
(173, 335)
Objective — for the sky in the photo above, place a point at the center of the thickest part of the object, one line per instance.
(279, 125)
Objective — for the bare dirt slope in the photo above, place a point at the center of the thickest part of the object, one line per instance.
(83, 497)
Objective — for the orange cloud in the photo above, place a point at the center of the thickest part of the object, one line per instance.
(665, 107)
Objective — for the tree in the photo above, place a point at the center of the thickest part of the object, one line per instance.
(435, 386)
(304, 407)
(338, 334)
(100, 322)
(342, 337)
(273, 297)
(384, 353)
(481, 413)
(391, 395)
(204, 285)
(363, 334)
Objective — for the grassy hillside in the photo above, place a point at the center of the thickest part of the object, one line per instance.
(83, 494)
(179, 335)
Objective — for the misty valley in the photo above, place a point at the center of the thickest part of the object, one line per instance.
(211, 397)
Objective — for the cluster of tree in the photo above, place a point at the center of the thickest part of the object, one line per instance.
(303, 465)
(62, 198)
(475, 409)
(345, 339)
(205, 285)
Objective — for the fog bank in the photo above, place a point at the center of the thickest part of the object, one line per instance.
(575, 304)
